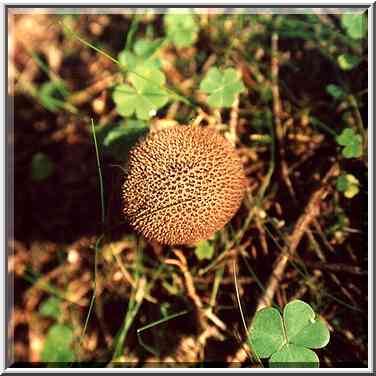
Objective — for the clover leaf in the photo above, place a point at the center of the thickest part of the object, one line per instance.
(144, 51)
(354, 24)
(204, 250)
(222, 87)
(145, 96)
(181, 29)
(352, 143)
(348, 184)
(51, 308)
(288, 341)
(348, 61)
(57, 346)
(335, 91)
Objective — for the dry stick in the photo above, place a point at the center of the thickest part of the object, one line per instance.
(311, 212)
(277, 112)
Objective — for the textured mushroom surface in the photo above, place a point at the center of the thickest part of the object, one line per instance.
(182, 185)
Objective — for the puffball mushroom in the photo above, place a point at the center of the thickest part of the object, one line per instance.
(182, 184)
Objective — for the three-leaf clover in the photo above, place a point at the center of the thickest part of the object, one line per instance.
(352, 143)
(145, 96)
(288, 341)
(348, 184)
(222, 87)
(204, 250)
(181, 29)
(354, 24)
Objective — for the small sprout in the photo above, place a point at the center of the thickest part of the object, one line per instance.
(41, 167)
(348, 184)
(204, 250)
(354, 24)
(288, 341)
(222, 87)
(181, 29)
(347, 62)
(335, 91)
(145, 96)
(352, 143)
(52, 95)
(182, 185)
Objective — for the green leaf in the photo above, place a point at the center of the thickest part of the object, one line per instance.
(348, 61)
(266, 334)
(222, 87)
(287, 341)
(314, 336)
(41, 167)
(143, 55)
(50, 308)
(128, 59)
(342, 183)
(145, 96)
(335, 91)
(352, 143)
(52, 95)
(355, 25)
(302, 327)
(146, 48)
(117, 141)
(296, 316)
(294, 356)
(204, 250)
(57, 345)
(181, 29)
(348, 184)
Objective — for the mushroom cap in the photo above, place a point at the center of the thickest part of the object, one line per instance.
(182, 185)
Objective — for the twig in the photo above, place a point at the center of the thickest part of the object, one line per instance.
(311, 211)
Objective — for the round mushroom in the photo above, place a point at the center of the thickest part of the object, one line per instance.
(182, 185)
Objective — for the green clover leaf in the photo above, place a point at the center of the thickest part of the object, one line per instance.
(57, 346)
(204, 250)
(143, 54)
(352, 143)
(347, 61)
(222, 87)
(288, 341)
(354, 24)
(181, 29)
(335, 91)
(50, 308)
(348, 184)
(145, 96)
